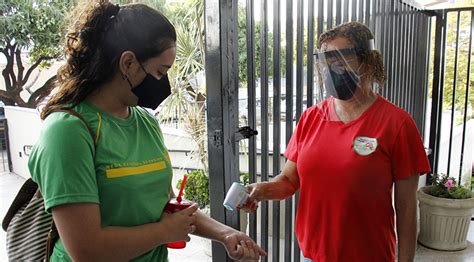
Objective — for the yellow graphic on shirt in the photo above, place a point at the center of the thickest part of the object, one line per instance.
(135, 168)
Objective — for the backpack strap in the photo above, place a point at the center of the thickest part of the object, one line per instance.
(76, 114)
(53, 234)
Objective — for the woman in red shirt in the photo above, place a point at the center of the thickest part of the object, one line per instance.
(346, 155)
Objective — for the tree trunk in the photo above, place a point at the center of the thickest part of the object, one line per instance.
(41, 93)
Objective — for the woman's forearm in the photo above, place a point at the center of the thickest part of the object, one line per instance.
(281, 187)
(207, 227)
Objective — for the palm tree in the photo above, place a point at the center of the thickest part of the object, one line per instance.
(187, 101)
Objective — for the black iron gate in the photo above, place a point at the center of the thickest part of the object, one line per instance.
(266, 82)
(452, 117)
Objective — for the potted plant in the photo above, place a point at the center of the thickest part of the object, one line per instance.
(445, 214)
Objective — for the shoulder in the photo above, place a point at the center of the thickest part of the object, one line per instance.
(390, 110)
(316, 111)
(63, 129)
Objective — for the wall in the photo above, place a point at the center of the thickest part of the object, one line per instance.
(24, 126)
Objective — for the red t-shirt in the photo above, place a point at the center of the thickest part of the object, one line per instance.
(346, 173)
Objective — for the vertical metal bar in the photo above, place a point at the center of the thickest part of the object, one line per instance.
(397, 73)
(338, 12)
(468, 80)
(7, 140)
(354, 10)
(320, 17)
(264, 122)
(330, 14)
(411, 69)
(221, 46)
(381, 35)
(411, 59)
(276, 125)
(426, 34)
(383, 16)
(360, 18)
(309, 55)
(289, 120)
(373, 18)
(390, 54)
(403, 88)
(368, 19)
(346, 11)
(299, 58)
(453, 99)
(299, 88)
(437, 92)
(251, 106)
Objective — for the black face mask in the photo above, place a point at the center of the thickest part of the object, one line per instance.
(151, 91)
(341, 85)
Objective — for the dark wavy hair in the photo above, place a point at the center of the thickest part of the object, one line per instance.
(358, 35)
(98, 34)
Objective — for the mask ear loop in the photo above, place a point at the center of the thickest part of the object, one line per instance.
(125, 77)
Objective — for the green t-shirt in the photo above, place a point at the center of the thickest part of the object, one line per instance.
(125, 168)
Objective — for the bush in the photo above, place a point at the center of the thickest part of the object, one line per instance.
(197, 187)
(446, 187)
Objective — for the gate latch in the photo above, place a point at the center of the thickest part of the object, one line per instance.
(244, 133)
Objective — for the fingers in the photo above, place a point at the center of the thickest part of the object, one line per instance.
(250, 207)
(249, 251)
(190, 210)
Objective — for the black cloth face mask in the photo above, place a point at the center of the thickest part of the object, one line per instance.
(341, 84)
(151, 92)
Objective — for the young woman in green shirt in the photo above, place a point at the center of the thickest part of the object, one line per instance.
(107, 191)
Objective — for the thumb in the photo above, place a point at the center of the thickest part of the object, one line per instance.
(252, 189)
(190, 210)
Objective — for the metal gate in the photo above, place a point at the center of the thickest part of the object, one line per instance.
(259, 73)
(452, 118)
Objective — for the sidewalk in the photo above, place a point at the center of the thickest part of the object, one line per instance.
(194, 251)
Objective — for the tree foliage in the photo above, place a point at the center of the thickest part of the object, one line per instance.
(35, 27)
(459, 85)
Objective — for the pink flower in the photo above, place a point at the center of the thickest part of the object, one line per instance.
(449, 184)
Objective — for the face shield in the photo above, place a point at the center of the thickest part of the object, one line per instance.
(337, 72)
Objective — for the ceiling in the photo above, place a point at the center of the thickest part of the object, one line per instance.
(440, 4)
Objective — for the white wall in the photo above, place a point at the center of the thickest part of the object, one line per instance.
(24, 126)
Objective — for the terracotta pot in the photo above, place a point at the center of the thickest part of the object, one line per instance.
(444, 223)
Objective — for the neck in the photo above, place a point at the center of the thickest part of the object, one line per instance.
(348, 110)
(107, 99)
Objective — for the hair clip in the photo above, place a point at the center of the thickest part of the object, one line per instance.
(115, 10)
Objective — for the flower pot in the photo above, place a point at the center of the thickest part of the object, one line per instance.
(444, 223)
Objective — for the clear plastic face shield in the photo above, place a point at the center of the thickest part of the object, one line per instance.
(338, 74)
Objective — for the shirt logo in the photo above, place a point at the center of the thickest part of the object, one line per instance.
(364, 146)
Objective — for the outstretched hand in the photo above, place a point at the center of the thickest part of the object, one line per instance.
(251, 204)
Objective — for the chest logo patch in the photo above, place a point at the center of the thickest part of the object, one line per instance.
(364, 146)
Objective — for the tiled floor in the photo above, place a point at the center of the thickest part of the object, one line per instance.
(195, 250)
